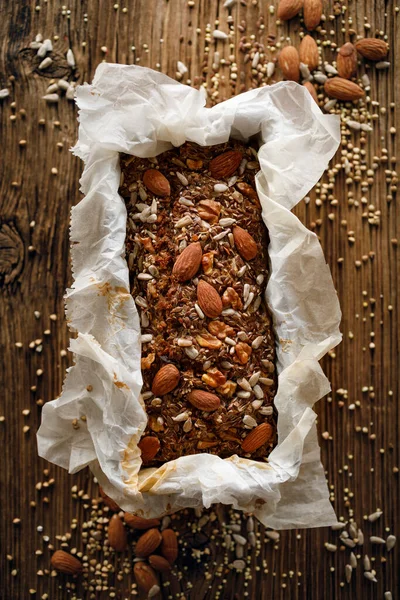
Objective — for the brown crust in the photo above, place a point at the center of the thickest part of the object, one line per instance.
(225, 349)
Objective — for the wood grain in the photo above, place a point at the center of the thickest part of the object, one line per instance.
(34, 272)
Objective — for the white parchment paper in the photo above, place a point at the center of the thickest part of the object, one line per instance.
(139, 111)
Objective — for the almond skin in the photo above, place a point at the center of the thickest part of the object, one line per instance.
(147, 543)
(145, 576)
(117, 534)
(258, 436)
(248, 191)
(311, 89)
(209, 300)
(149, 446)
(372, 48)
(169, 545)
(288, 9)
(139, 523)
(346, 61)
(156, 182)
(204, 400)
(308, 52)
(108, 501)
(289, 62)
(225, 164)
(159, 563)
(165, 380)
(66, 563)
(312, 12)
(244, 243)
(343, 89)
(188, 262)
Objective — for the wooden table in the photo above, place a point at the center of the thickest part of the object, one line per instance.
(39, 184)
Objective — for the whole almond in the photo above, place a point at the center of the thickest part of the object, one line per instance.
(156, 182)
(225, 164)
(343, 89)
(289, 62)
(149, 446)
(145, 576)
(248, 191)
(204, 400)
(258, 436)
(372, 48)
(117, 534)
(288, 9)
(66, 563)
(244, 243)
(159, 563)
(311, 89)
(108, 501)
(169, 545)
(147, 543)
(308, 52)
(139, 522)
(346, 61)
(165, 380)
(188, 262)
(209, 300)
(312, 12)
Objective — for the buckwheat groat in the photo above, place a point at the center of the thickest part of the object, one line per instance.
(197, 254)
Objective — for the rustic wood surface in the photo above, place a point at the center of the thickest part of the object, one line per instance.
(34, 272)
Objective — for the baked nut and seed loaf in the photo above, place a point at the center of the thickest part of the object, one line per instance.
(197, 255)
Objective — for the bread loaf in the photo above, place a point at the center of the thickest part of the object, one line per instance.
(197, 254)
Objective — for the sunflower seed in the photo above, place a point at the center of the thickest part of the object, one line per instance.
(366, 127)
(147, 395)
(260, 279)
(4, 93)
(330, 104)
(249, 301)
(374, 516)
(226, 364)
(220, 236)
(52, 88)
(349, 543)
(254, 378)
(353, 560)
(142, 302)
(51, 98)
(184, 222)
(259, 394)
(343, 535)
(330, 69)
(360, 537)
(242, 271)
(249, 421)
(191, 352)
(144, 276)
(305, 71)
(185, 201)
(250, 524)
(390, 542)
(388, 596)
(227, 222)
(255, 60)
(203, 521)
(165, 523)
(220, 188)
(146, 338)
(366, 563)
(35, 45)
(46, 47)
(239, 565)
(187, 426)
(153, 591)
(70, 58)
(228, 312)
(239, 551)
(243, 394)
(184, 342)
(242, 335)
(368, 575)
(46, 62)
(273, 535)
(348, 571)
(153, 270)
(353, 125)
(270, 69)
(181, 417)
(244, 384)
(232, 180)
(330, 547)
(239, 539)
(219, 35)
(257, 342)
(182, 179)
(182, 68)
(382, 64)
(353, 530)
(228, 540)
(338, 526)
(144, 320)
(374, 539)
(266, 411)
(230, 341)
(365, 81)
(319, 77)
(235, 527)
